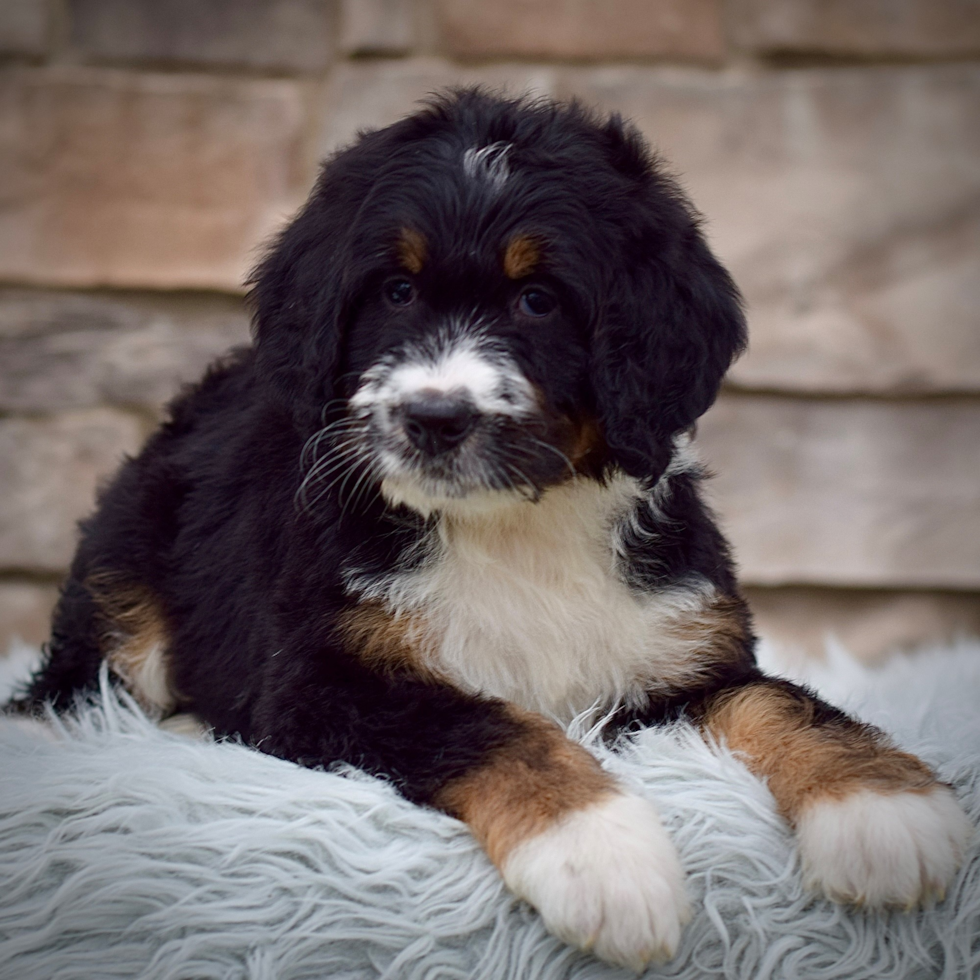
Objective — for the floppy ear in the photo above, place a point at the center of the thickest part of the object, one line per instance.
(672, 325)
(300, 291)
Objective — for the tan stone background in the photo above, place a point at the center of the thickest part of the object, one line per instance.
(147, 147)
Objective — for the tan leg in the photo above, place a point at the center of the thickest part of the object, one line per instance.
(595, 861)
(874, 824)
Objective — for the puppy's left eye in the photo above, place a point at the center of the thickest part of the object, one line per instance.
(536, 302)
(399, 292)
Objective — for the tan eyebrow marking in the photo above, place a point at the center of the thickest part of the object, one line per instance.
(522, 256)
(412, 249)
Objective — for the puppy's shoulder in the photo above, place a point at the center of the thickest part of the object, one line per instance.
(229, 382)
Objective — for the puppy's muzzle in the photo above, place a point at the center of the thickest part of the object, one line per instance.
(437, 423)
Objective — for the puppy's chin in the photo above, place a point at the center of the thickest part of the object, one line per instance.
(428, 496)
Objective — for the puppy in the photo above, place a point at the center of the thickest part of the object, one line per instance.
(447, 501)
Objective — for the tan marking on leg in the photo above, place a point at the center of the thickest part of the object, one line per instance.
(387, 643)
(803, 760)
(135, 641)
(413, 250)
(720, 630)
(525, 787)
(521, 256)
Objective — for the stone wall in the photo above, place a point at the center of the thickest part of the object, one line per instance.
(147, 147)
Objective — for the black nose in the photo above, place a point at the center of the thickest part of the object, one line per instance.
(436, 423)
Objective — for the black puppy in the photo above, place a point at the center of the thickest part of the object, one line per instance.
(448, 499)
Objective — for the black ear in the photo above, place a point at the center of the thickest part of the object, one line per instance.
(671, 326)
(300, 291)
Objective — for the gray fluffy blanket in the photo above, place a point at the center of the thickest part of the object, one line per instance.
(127, 851)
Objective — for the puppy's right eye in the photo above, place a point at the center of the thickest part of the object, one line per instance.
(399, 292)
(536, 303)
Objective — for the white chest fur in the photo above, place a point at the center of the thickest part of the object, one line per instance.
(527, 604)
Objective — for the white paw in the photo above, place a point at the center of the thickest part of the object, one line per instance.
(881, 849)
(606, 879)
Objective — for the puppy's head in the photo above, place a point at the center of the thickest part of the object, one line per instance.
(489, 297)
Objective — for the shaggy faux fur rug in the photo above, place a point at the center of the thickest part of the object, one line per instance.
(127, 851)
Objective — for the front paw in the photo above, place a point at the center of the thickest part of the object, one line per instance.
(883, 849)
(606, 879)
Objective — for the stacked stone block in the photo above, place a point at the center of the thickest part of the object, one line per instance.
(149, 147)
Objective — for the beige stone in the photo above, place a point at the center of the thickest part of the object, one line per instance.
(25, 26)
(911, 28)
(288, 35)
(848, 492)
(593, 29)
(75, 350)
(377, 26)
(126, 179)
(846, 203)
(869, 623)
(25, 612)
(371, 94)
(49, 471)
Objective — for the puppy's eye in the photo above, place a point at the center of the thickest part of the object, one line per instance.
(399, 292)
(536, 302)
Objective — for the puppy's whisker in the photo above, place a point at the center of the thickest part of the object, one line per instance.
(328, 465)
(346, 457)
(346, 468)
(340, 425)
(360, 487)
(554, 449)
(348, 421)
(312, 445)
(528, 489)
(333, 403)
(351, 458)
(510, 483)
(329, 433)
(340, 491)
(337, 450)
